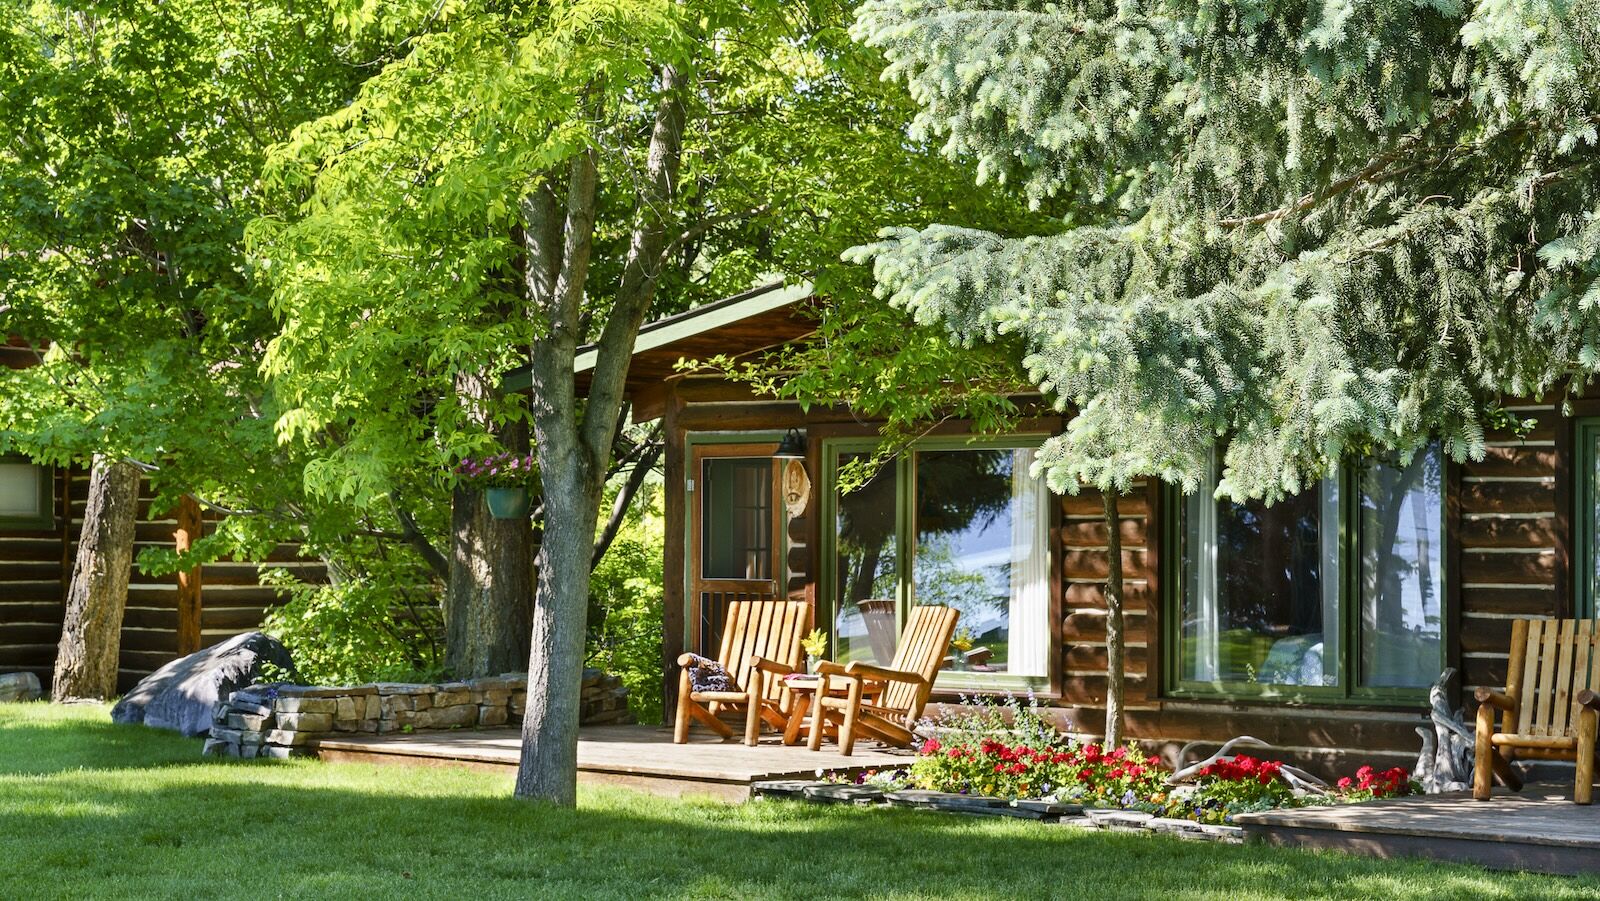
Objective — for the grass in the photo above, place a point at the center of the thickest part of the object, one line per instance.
(89, 809)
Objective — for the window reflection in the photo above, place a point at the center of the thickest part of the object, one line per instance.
(867, 575)
(1262, 590)
(1402, 611)
(980, 549)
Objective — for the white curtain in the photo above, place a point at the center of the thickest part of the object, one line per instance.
(1326, 665)
(1029, 621)
(1201, 591)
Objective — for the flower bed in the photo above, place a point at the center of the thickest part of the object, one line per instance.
(1010, 752)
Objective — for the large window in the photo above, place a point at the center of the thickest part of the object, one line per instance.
(953, 524)
(1334, 591)
(26, 498)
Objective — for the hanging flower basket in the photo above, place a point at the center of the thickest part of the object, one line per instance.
(508, 503)
(506, 481)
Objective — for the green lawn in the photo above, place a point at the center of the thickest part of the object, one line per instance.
(88, 809)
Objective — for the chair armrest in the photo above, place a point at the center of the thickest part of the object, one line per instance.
(884, 674)
(1589, 698)
(830, 668)
(761, 663)
(684, 659)
(1496, 699)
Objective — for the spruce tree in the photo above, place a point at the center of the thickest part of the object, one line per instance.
(1298, 231)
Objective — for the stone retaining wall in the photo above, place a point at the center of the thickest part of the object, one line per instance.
(286, 720)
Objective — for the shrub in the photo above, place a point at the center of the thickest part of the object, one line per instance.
(355, 631)
(625, 607)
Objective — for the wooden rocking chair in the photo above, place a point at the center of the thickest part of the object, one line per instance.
(760, 642)
(1549, 708)
(884, 702)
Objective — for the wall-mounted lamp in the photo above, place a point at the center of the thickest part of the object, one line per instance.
(792, 447)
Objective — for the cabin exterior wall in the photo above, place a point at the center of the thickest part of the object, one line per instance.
(1508, 537)
(166, 616)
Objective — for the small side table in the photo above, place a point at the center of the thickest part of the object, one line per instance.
(802, 694)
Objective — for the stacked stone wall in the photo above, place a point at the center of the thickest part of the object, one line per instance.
(282, 720)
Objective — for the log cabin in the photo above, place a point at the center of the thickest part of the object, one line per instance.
(41, 516)
(1317, 624)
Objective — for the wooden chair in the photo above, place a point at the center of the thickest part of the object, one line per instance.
(1549, 708)
(884, 702)
(760, 642)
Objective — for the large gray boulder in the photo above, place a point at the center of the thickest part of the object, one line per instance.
(20, 687)
(182, 695)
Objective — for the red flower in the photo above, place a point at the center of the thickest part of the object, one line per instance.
(1345, 783)
(1091, 753)
(931, 746)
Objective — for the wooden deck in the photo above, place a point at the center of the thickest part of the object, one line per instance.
(1539, 829)
(640, 757)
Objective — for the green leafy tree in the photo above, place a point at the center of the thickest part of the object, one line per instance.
(1298, 231)
(535, 177)
(131, 143)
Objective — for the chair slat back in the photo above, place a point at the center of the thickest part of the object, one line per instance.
(922, 650)
(1551, 662)
(770, 629)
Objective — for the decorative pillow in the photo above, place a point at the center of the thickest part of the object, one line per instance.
(706, 674)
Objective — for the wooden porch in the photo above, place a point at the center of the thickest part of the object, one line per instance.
(1538, 829)
(638, 757)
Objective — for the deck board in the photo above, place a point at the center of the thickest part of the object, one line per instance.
(1537, 829)
(638, 756)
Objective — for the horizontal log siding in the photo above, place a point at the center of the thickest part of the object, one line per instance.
(1084, 565)
(36, 567)
(1510, 542)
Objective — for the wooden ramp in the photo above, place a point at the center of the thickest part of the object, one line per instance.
(640, 757)
(1539, 829)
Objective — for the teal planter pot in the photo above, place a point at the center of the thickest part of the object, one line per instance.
(508, 503)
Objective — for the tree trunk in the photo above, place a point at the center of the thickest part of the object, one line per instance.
(549, 765)
(574, 440)
(1114, 622)
(91, 636)
(489, 606)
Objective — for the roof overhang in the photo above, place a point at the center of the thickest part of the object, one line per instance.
(757, 320)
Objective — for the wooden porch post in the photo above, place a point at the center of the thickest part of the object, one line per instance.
(189, 602)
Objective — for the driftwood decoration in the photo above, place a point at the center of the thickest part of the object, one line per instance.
(1298, 779)
(1445, 764)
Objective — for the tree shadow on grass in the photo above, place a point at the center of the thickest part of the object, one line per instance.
(43, 746)
(313, 830)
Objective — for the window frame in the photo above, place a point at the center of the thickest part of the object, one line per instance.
(1348, 690)
(949, 682)
(1584, 431)
(46, 518)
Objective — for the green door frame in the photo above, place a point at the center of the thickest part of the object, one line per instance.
(1586, 517)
